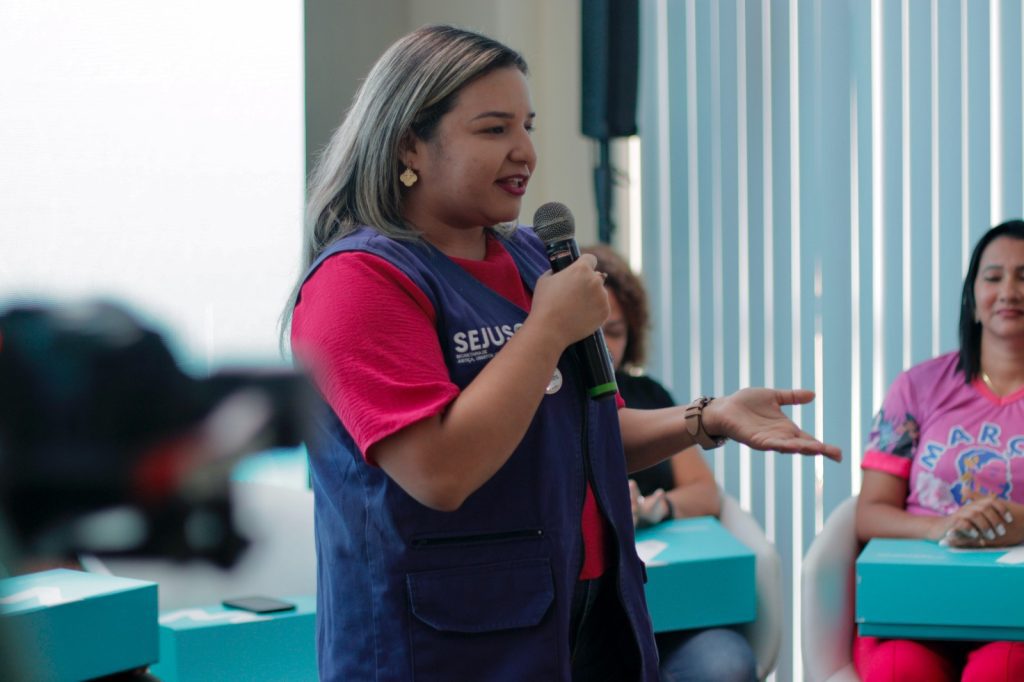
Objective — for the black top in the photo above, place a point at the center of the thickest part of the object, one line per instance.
(644, 393)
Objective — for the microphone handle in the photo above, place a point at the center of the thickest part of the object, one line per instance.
(598, 366)
(592, 350)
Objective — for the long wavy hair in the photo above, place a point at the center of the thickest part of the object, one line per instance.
(407, 92)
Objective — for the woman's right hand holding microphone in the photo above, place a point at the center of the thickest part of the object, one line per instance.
(573, 303)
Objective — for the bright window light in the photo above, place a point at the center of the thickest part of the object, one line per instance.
(153, 154)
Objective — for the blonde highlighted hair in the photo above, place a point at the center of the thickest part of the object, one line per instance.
(407, 92)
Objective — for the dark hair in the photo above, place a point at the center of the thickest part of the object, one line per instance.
(629, 290)
(970, 329)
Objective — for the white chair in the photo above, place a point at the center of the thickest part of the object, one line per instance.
(279, 562)
(827, 598)
(765, 633)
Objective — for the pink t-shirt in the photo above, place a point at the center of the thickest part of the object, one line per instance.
(953, 441)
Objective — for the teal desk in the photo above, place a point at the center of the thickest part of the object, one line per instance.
(72, 625)
(218, 643)
(919, 590)
(698, 575)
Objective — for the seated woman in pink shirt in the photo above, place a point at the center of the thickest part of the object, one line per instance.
(945, 460)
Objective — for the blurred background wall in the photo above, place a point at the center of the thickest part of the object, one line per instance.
(153, 154)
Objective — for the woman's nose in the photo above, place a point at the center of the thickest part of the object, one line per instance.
(523, 151)
(1010, 289)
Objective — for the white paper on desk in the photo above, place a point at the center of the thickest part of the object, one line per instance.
(1014, 556)
(648, 549)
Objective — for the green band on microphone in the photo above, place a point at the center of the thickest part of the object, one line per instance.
(603, 390)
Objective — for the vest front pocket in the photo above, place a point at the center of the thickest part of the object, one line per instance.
(487, 622)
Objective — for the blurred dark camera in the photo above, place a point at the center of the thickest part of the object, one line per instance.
(107, 446)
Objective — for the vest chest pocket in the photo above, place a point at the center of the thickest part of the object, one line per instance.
(487, 622)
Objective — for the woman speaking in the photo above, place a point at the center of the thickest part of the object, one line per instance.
(473, 518)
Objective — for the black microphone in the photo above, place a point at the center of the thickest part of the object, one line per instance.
(554, 224)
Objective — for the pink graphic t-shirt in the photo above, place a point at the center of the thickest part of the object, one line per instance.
(953, 441)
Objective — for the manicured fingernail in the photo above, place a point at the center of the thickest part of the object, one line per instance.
(1009, 517)
(1001, 529)
(973, 532)
(944, 542)
(990, 534)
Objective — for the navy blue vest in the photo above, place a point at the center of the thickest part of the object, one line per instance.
(482, 593)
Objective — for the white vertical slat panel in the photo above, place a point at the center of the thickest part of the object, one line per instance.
(965, 147)
(1005, 55)
(995, 44)
(893, 233)
(664, 224)
(768, 217)
(693, 194)
(715, 200)
(877, 204)
(950, 166)
(787, 275)
(743, 241)
(861, 73)
(856, 371)
(834, 337)
(755, 126)
(796, 301)
(906, 272)
(979, 131)
(728, 258)
(937, 159)
(918, 163)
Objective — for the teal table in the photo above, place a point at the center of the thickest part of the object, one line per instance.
(218, 643)
(698, 575)
(73, 625)
(919, 590)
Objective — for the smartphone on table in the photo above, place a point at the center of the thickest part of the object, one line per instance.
(259, 604)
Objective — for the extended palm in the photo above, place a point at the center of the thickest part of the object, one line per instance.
(754, 416)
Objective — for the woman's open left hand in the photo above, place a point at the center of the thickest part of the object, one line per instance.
(754, 417)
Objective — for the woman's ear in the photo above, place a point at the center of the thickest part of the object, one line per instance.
(408, 150)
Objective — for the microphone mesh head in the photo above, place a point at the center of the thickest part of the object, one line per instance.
(553, 222)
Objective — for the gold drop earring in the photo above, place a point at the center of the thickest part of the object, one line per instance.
(408, 177)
